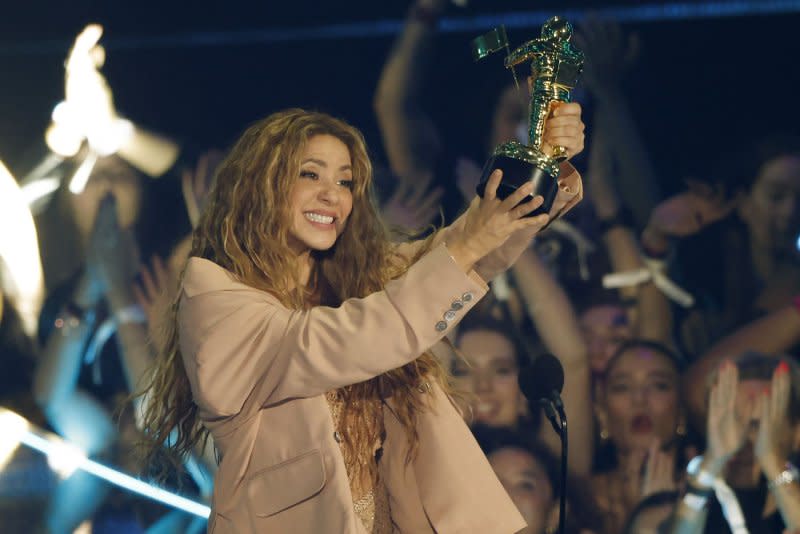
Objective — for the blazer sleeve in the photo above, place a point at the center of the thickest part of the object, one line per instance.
(240, 343)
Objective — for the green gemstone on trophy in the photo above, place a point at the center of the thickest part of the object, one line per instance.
(556, 66)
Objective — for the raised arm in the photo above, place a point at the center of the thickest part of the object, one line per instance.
(653, 315)
(409, 135)
(73, 413)
(609, 54)
(557, 325)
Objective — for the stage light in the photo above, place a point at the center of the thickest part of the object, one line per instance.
(52, 445)
(81, 177)
(19, 252)
(33, 192)
(12, 428)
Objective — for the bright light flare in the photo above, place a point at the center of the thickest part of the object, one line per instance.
(19, 251)
(65, 458)
(81, 177)
(12, 428)
(52, 445)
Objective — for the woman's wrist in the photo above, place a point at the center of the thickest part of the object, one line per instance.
(772, 465)
(654, 243)
(462, 255)
(120, 298)
(704, 470)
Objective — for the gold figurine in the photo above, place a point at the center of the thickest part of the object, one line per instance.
(556, 66)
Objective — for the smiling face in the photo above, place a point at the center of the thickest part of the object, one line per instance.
(321, 198)
(527, 484)
(640, 399)
(490, 373)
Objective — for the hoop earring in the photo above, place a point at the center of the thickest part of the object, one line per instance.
(604, 434)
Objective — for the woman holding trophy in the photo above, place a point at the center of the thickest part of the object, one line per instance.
(291, 286)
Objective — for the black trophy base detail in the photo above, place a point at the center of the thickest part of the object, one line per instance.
(516, 173)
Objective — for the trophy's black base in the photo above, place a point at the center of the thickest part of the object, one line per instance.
(516, 173)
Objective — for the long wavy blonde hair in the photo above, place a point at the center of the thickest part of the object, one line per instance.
(244, 228)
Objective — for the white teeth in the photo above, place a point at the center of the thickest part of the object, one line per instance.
(316, 217)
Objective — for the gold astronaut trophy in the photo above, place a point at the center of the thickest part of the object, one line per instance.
(556, 66)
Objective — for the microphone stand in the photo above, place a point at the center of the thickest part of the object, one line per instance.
(554, 410)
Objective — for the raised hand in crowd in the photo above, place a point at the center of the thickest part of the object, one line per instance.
(685, 214)
(197, 182)
(770, 447)
(609, 54)
(659, 471)
(726, 426)
(468, 175)
(112, 256)
(153, 294)
(413, 205)
(773, 444)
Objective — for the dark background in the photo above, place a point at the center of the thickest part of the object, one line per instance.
(701, 86)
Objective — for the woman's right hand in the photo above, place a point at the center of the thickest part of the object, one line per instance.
(726, 428)
(489, 221)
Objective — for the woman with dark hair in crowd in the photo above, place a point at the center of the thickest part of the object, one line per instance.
(739, 232)
(301, 341)
(640, 413)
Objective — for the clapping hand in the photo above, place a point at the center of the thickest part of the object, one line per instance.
(770, 448)
(726, 429)
(659, 471)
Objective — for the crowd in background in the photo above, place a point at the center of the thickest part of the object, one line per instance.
(675, 318)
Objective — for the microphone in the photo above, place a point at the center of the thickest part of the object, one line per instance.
(541, 382)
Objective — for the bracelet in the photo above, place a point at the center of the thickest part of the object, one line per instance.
(130, 314)
(695, 502)
(704, 492)
(703, 477)
(785, 477)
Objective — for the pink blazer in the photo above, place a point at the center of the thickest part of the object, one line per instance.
(259, 372)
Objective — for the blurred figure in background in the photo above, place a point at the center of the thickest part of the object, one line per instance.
(530, 474)
(642, 425)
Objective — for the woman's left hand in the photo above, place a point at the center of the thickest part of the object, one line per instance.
(564, 128)
(659, 471)
(773, 407)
